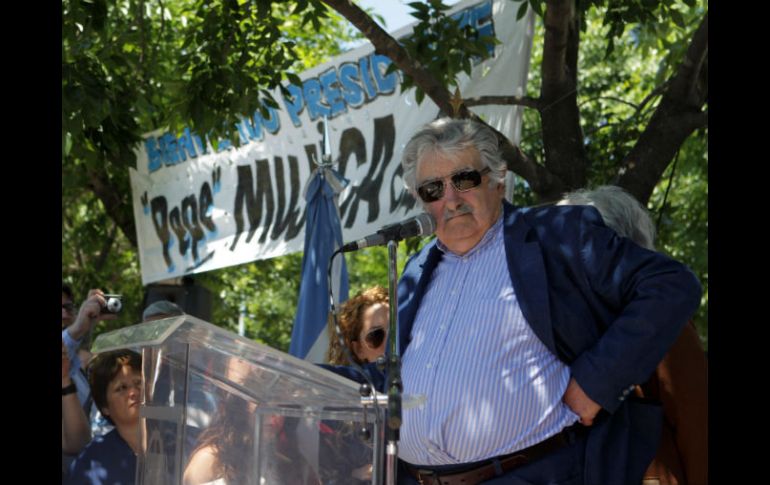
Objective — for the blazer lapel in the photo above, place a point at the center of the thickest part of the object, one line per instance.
(528, 275)
(412, 287)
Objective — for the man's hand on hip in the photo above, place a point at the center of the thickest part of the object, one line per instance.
(579, 402)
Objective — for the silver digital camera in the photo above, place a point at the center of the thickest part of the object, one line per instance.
(114, 304)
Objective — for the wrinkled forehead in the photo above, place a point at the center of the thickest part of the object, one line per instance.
(437, 163)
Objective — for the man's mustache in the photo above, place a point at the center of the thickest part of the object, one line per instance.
(463, 209)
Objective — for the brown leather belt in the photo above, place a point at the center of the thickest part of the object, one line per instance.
(486, 471)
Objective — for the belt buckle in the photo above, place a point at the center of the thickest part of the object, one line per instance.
(430, 474)
(517, 460)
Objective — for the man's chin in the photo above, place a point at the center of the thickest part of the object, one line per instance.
(461, 244)
(461, 226)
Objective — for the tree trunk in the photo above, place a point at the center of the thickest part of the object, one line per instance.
(676, 117)
(565, 155)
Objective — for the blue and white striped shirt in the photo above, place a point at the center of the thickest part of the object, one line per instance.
(492, 387)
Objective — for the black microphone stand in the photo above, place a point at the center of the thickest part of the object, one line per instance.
(393, 384)
(419, 225)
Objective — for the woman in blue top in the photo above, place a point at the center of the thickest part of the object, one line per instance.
(116, 383)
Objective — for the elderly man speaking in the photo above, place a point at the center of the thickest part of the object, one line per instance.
(526, 329)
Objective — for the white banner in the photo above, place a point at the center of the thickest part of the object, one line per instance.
(197, 210)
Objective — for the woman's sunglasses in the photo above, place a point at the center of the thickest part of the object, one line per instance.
(375, 338)
(462, 181)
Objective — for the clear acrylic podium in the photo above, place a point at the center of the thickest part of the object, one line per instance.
(220, 406)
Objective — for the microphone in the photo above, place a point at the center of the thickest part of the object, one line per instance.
(420, 225)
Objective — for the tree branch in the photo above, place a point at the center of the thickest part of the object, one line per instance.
(142, 39)
(544, 183)
(679, 113)
(536, 175)
(385, 44)
(114, 205)
(655, 92)
(101, 259)
(612, 98)
(527, 101)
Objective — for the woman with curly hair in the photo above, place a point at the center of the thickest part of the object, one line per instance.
(363, 321)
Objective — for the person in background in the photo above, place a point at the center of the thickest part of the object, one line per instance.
(363, 321)
(225, 451)
(76, 327)
(75, 431)
(680, 381)
(116, 382)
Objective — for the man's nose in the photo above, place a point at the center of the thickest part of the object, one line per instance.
(451, 196)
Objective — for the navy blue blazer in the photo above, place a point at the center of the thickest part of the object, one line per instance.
(605, 306)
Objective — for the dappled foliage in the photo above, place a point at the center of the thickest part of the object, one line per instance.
(130, 67)
(618, 94)
(444, 46)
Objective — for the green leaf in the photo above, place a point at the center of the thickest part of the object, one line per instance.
(677, 17)
(293, 79)
(419, 6)
(537, 6)
(522, 11)
(270, 102)
(66, 143)
(419, 95)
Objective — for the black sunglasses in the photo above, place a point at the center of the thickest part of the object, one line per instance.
(70, 307)
(462, 181)
(375, 338)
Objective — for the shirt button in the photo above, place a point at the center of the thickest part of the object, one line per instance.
(442, 327)
(428, 365)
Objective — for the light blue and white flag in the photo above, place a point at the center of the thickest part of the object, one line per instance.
(323, 235)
